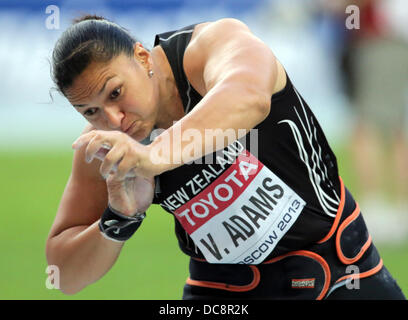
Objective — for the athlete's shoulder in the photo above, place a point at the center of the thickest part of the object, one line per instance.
(220, 48)
(219, 29)
(225, 25)
(203, 32)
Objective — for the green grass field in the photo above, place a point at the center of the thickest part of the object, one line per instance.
(150, 266)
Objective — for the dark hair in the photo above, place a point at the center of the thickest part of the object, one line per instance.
(89, 39)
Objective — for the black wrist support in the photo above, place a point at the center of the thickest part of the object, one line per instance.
(119, 227)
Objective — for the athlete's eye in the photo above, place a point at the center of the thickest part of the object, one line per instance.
(115, 93)
(90, 112)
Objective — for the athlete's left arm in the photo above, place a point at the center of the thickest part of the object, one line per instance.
(235, 72)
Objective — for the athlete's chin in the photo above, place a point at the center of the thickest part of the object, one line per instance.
(140, 135)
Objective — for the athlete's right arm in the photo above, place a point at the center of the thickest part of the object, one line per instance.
(75, 244)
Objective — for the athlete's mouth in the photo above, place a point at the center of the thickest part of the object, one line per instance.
(130, 130)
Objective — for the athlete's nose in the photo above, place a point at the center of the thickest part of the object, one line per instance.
(114, 117)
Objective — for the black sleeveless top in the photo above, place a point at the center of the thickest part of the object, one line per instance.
(291, 144)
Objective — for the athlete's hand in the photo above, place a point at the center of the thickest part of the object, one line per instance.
(130, 195)
(124, 157)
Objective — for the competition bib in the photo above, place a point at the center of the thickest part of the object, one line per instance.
(240, 217)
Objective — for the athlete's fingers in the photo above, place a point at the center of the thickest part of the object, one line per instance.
(112, 159)
(101, 153)
(126, 166)
(83, 139)
(93, 146)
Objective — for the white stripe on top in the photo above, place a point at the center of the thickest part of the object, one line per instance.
(176, 34)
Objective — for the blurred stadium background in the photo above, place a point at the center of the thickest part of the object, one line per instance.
(308, 36)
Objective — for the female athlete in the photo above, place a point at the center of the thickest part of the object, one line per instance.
(209, 125)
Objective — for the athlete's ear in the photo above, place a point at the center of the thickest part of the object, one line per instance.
(142, 55)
